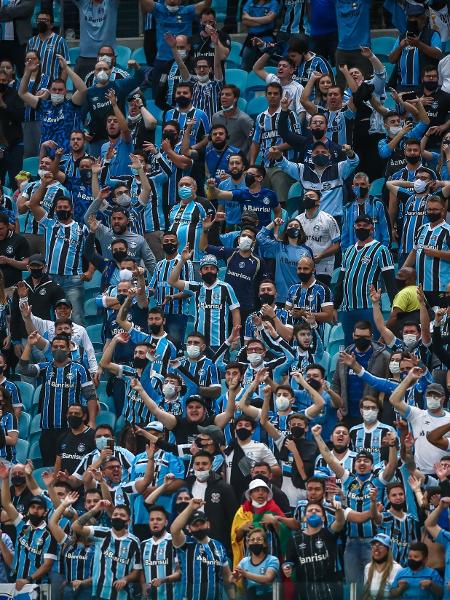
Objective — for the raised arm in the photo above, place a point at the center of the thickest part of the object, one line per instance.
(29, 98)
(123, 123)
(424, 317)
(431, 522)
(7, 505)
(80, 526)
(178, 536)
(438, 437)
(386, 334)
(309, 105)
(55, 528)
(169, 421)
(259, 65)
(79, 96)
(326, 453)
(398, 395)
(171, 41)
(174, 278)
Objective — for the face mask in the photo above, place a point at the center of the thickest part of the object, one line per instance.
(420, 186)
(293, 232)
(42, 173)
(139, 363)
(170, 248)
(155, 329)
(308, 202)
(245, 243)
(227, 108)
(193, 351)
(86, 176)
(256, 548)
(185, 192)
(102, 77)
(172, 9)
(200, 534)
(243, 434)
(314, 521)
(395, 130)
(119, 255)
(123, 200)
(180, 506)
(316, 385)
(321, 160)
(101, 442)
(106, 59)
(369, 415)
(42, 27)
(18, 480)
(412, 160)
(282, 403)
(203, 78)
(317, 134)
(362, 344)
(433, 402)
(409, 339)
(63, 215)
(172, 137)
(360, 192)
(209, 278)
(249, 179)
(430, 86)
(59, 355)
(254, 358)
(37, 273)
(35, 520)
(125, 274)
(362, 234)
(304, 277)
(258, 504)
(118, 523)
(57, 98)
(169, 390)
(182, 101)
(266, 298)
(183, 53)
(201, 476)
(121, 298)
(74, 422)
(297, 432)
(394, 367)
(414, 565)
(433, 217)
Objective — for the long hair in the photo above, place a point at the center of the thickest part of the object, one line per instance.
(384, 577)
(301, 238)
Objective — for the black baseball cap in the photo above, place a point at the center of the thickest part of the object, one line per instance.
(364, 219)
(64, 301)
(196, 398)
(36, 259)
(37, 500)
(198, 516)
(364, 454)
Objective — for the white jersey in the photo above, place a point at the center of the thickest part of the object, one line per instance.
(255, 452)
(294, 89)
(439, 21)
(321, 231)
(422, 422)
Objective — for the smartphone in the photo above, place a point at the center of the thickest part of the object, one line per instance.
(409, 96)
(110, 444)
(444, 301)
(341, 348)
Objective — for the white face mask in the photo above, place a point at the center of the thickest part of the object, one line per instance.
(183, 53)
(57, 98)
(169, 391)
(106, 59)
(394, 367)
(172, 9)
(369, 415)
(201, 476)
(433, 402)
(203, 78)
(227, 108)
(258, 504)
(410, 340)
(420, 186)
(123, 200)
(193, 351)
(135, 118)
(282, 403)
(102, 77)
(395, 129)
(125, 275)
(245, 243)
(254, 359)
(42, 173)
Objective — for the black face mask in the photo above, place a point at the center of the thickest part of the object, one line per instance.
(304, 277)
(158, 534)
(35, 520)
(399, 506)
(243, 434)
(256, 548)
(121, 298)
(297, 432)
(362, 234)
(18, 480)
(209, 278)
(317, 134)
(118, 523)
(321, 160)
(37, 273)
(182, 101)
(414, 565)
(119, 255)
(308, 202)
(266, 298)
(155, 329)
(430, 86)
(236, 175)
(293, 232)
(74, 421)
(170, 248)
(86, 176)
(249, 179)
(412, 160)
(362, 344)
(180, 506)
(363, 191)
(62, 215)
(42, 27)
(172, 137)
(140, 363)
(200, 534)
(433, 217)
(316, 385)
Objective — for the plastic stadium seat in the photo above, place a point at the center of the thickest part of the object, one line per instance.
(325, 362)
(238, 77)
(337, 333)
(90, 311)
(22, 450)
(34, 454)
(95, 335)
(242, 104)
(254, 84)
(382, 46)
(120, 424)
(103, 397)
(294, 198)
(35, 406)
(31, 164)
(34, 432)
(24, 425)
(74, 53)
(326, 333)
(139, 56)
(256, 105)
(156, 112)
(93, 287)
(123, 55)
(106, 418)
(333, 363)
(26, 394)
(376, 187)
(37, 474)
(335, 275)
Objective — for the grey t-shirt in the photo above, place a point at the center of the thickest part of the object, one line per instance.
(98, 25)
(239, 127)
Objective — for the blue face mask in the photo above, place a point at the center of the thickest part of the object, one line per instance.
(185, 192)
(101, 442)
(364, 477)
(134, 171)
(314, 521)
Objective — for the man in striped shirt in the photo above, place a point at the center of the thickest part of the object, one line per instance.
(48, 45)
(106, 54)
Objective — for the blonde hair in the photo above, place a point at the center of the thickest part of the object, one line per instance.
(384, 577)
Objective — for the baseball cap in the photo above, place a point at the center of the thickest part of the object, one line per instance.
(36, 259)
(436, 388)
(64, 301)
(198, 516)
(364, 454)
(136, 95)
(209, 259)
(364, 219)
(258, 483)
(156, 426)
(196, 398)
(414, 10)
(214, 432)
(38, 500)
(383, 539)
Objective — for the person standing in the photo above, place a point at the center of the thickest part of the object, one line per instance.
(15, 18)
(48, 45)
(11, 138)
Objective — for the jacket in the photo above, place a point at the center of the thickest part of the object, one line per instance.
(378, 365)
(21, 14)
(11, 117)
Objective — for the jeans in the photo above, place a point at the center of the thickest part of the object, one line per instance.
(176, 327)
(82, 593)
(348, 319)
(73, 290)
(358, 553)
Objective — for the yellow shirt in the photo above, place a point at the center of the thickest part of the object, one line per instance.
(406, 299)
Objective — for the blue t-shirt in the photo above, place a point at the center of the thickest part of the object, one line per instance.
(414, 579)
(353, 19)
(99, 25)
(262, 203)
(270, 562)
(177, 23)
(261, 10)
(119, 164)
(233, 210)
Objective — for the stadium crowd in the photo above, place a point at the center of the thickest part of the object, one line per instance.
(225, 303)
